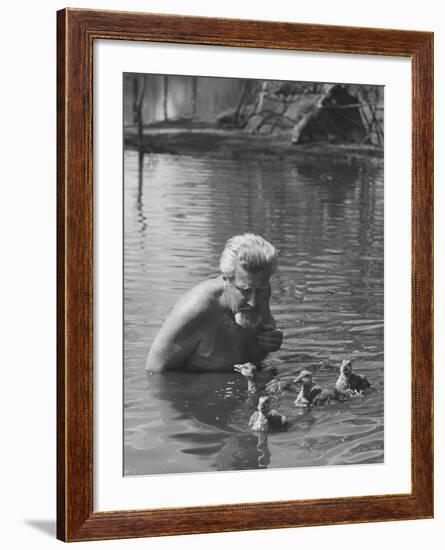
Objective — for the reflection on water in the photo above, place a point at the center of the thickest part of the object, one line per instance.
(326, 220)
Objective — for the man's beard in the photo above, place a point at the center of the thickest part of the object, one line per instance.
(248, 319)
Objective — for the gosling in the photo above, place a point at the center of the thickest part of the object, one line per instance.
(264, 419)
(349, 382)
(248, 370)
(309, 390)
(312, 394)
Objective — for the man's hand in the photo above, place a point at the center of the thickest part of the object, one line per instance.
(270, 339)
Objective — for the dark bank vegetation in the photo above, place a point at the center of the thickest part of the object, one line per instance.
(232, 117)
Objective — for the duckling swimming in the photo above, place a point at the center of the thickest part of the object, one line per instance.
(312, 394)
(309, 390)
(264, 419)
(248, 370)
(274, 386)
(351, 383)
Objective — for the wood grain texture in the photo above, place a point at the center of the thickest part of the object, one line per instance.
(76, 32)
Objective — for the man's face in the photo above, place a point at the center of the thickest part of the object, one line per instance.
(247, 291)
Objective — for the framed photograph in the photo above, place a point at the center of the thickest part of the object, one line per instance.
(245, 229)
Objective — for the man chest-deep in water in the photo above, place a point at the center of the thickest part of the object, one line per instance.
(222, 321)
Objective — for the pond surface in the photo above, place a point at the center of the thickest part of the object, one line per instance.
(325, 217)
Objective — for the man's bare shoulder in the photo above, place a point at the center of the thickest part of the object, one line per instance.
(199, 301)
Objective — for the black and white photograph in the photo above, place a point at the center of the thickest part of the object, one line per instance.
(253, 286)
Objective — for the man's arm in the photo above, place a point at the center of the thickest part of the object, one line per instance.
(179, 335)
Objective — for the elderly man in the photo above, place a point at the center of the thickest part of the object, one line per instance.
(222, 321)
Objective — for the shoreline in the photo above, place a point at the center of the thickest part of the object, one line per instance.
(237, 144)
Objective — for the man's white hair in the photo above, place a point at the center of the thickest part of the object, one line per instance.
(250, 251)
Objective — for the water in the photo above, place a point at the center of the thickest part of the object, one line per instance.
(325, 217)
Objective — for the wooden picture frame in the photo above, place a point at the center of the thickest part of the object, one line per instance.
(76, 32)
